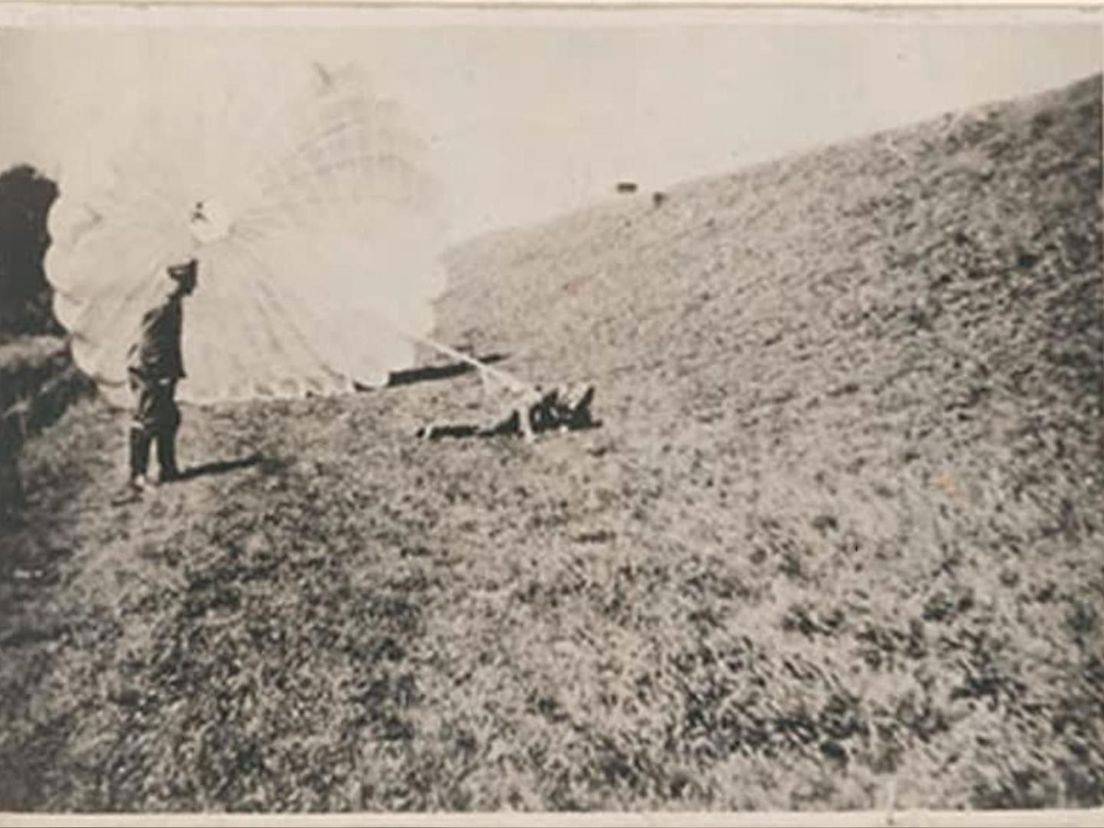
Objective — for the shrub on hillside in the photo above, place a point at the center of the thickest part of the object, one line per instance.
(25, 296)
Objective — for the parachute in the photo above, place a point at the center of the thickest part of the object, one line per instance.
(310, 209)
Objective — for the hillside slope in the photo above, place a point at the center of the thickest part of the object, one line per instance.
(838, 533)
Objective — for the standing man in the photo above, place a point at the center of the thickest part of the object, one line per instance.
(154, 366)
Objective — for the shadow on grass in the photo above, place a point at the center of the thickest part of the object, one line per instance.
(440, 372)
(221, 467)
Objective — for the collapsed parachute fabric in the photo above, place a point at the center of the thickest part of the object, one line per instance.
(311, 217)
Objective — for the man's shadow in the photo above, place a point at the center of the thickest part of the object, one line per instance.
(221, 467)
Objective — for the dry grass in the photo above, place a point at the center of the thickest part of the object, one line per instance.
(840, 525)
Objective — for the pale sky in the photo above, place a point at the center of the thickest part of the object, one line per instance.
(527, 121)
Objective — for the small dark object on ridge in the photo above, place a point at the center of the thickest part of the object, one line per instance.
(658, 197)
(626, 186)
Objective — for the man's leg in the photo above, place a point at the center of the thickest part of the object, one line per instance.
(140, 434)
(167, 426)
(140, 440)
(166, 456)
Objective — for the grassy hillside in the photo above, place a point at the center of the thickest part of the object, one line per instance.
(38, 381)
(838, 534)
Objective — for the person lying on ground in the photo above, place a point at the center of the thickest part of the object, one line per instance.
(527, 412)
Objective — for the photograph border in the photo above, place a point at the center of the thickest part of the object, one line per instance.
(294, 13)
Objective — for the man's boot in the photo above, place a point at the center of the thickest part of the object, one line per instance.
(166, 455)
(139, 457)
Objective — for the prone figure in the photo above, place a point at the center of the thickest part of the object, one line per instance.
(526, 412)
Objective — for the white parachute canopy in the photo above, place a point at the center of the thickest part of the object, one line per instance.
(308, 207)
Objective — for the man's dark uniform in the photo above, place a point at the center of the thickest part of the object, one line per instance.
(154, 366)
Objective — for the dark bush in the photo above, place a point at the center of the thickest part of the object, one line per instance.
(25, 296)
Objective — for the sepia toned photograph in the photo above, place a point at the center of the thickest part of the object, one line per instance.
(550, 411)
